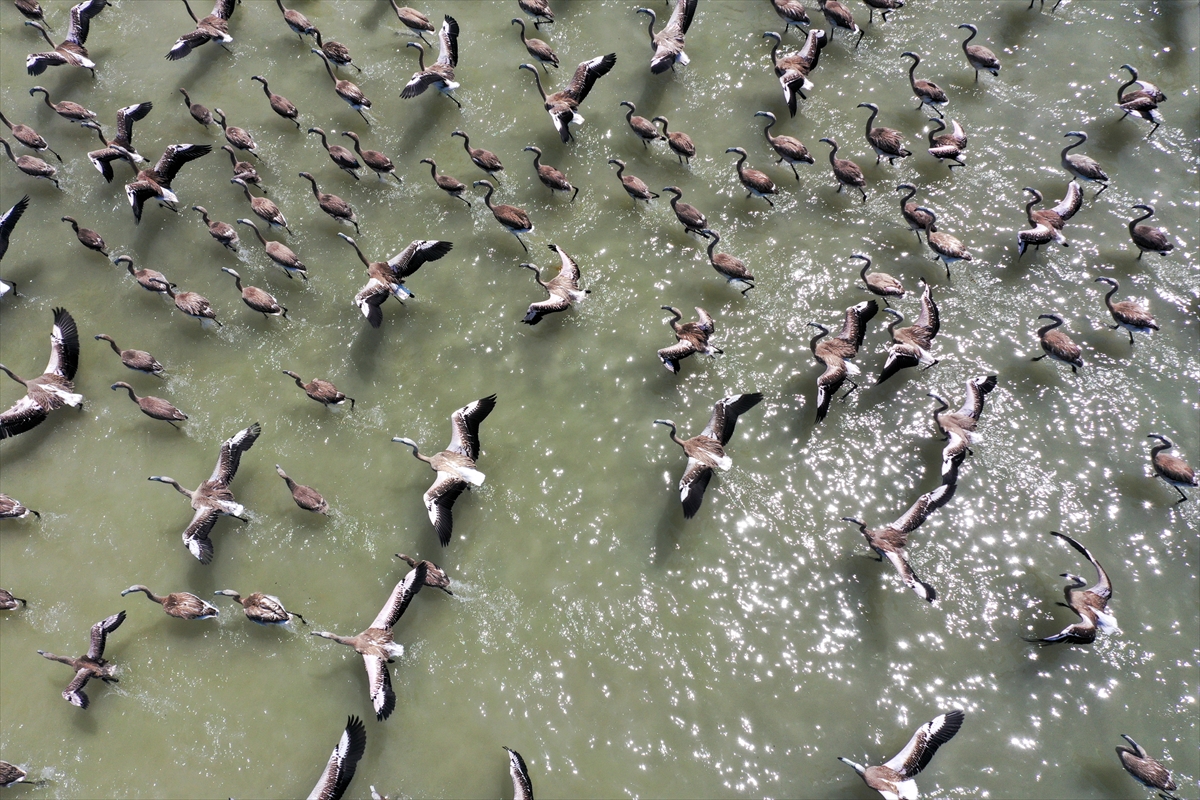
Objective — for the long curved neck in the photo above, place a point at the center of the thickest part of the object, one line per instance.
(1133, 223)
(942, 406)
(186, 100)
(361, 257)
(863, 272)
(620, 171)
(775, 54)
(767, 131)
(299, 382)
(911, 79)
(487, 198)
(324, 141)
(46, 96)
(70, 662)
(967, 41)
(257, 232)
(1108, 297)
(1042, 331)
(812, 345)
(74, 225)
(316, 192)
(1033, 201)
(114, 347)
(1120, 91)
(232, 158)
(433, 169)
(941, 126)
(629, 115)
(128, 388)
(675, 317)
(1071, 147)
(148, 593)
(172, 482)
(712, 243)
(871, 119)
(904, 200)
(204, 216)
(650, 25)
(13, 375)
(419, 455)
(466, 144)
(833, 155)
(675, 199)
(537, 276)
(334, 638)
(1158, 448)
(190, 14)
(674, 435)
(6, 122)
(663, 120)
(538, 80)
(249, 197)
(357, 144)
(897, 320)
(741, 163)
(266, 89)
(420, 58)
(328, 68)
(537, 160)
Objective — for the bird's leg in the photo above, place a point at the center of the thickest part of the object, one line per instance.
(1039, 358)
(853, 386)
(1182, 497)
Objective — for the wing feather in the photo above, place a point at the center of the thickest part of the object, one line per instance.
(231, 455)
(383, 698)
(402, 594)
(343, 762)
(925, 742)
(977, 389)
(195, 536)
(448, 39)
(725, 413)
(587, 73)
(25, 414)
(416, 255)
(74, 694)
(464, 426)
(99, 634)
(64, 345)
(439, 501)
(692, 485)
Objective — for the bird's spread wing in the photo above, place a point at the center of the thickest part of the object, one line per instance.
(900, 562)
(854, 327)
(231, 454)
(370, 298)
(440, 499)
(224, 8)
(977, 389)
(419, 82)
(464, 426)
(25, 414)
(568, 268)
(129, 115)
(929, 317)
(195, 536)
(1103, 587)
(725, 413)
(920, 510)
(448, 39)
(692, 485)
(342, 762)
(64, 345)
(379, 680)
(925, 742)
(417, 254)
(1070, 203)
(671, 355)
(587, 73)
(681, 17)
(73, 694)
(100, 632)
(402, 594)
(174, 157)
(9, 220)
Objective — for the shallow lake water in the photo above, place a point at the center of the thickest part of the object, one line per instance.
(623, 650)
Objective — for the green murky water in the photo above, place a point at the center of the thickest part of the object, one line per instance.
(622, 650)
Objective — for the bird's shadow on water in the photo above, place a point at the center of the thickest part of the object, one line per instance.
(364, 350)
(200, 67)
(865, 588)
(414, 135)
(374, 18)
(667, 533)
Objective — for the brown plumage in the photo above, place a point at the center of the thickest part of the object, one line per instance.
(792, 69)
(181, 605)
(31, 165)
(264, 609)
(376, 645)
(238, 138)
(1141, 102)
(153, 407)
(706, 451)
(1047, 223)
(917, 220)
(93, 664)
(947, 146)
(149, 279)
(563, 288)
(156, 182)
(439, 74)
(280, 253)
(296, 21)
(223, 232)
(978, 56)
(1171, 468)
(543, 53)
(550, 177)
(412, 19)
(435, 576)
(1081, 166)
(336, 52)
(539, 10)
(306, 497)
(213, 28)
(11, 508)
(375, 160)
(1147, 239)
(331, 204)
(194, 305)
(645, 130)
(788, 148)
(691, 337)
(447, 183)
(87, 237)
(10, 602)
(680, 143)
(912, 346)
(339, 155)
(320, 390)
(1089, 604)
(1146, 770)
(884, 7)
(895, 778)
(279, 104)
(563, 105)
(835, 353)
(244, 169)
(71, 112)
(757, 183)
(51, 390)
(29, 137)
(928, 92)
(687, 214)
(878, 283)
(484, 159)
(792, 12)
(845, 171)
(838, 16)
(514, 219)
(886, 142)
(257, 299)
(346, 90)
(138, 360)
(634, 186)
(71, 51)
(1131, 315)
(1056, 344)
(731, 269)
(959, 426)
(455, 465)
(945, 247)
(263, 208)
(668, 43)
(199, 113)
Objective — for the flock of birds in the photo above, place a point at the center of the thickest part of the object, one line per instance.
(455, 466)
